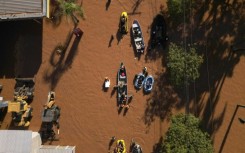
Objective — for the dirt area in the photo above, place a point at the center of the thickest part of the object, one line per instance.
(89, 115)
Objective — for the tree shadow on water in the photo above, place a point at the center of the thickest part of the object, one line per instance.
(230, 125)
(163, 98)
(209, 122)
(224, 22)
(158, 146)
(73, 52)
(60, 51)
(136, 5)
(204, 108)
(54, 73)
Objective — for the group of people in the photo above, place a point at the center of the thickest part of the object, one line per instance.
(142, 77)
(139, 45)
(136, 31)
(148, 84)
(123, 23)
(119, 148)
(122, 71)
(123, 19)
(123, 101)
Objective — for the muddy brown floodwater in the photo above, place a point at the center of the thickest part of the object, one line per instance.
(89, 115)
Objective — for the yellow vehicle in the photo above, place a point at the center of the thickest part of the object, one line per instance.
(21, 112)
(123, 26)
(120, 147)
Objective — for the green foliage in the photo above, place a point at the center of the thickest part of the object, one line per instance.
(185, 136)
(176, 9)
(176, 64)
(183, 65)
(69, 7)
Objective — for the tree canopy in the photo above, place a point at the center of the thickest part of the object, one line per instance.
(185, 136)
(69, 7)
(176, 9)
(183, 65)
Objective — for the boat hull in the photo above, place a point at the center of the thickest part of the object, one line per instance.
(138, 37)
(123, 26)
(139, 81)
(121, 84)
(148, 83)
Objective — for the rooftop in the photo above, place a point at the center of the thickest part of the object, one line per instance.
(16, 9)
(25, 141)
(15, 141)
